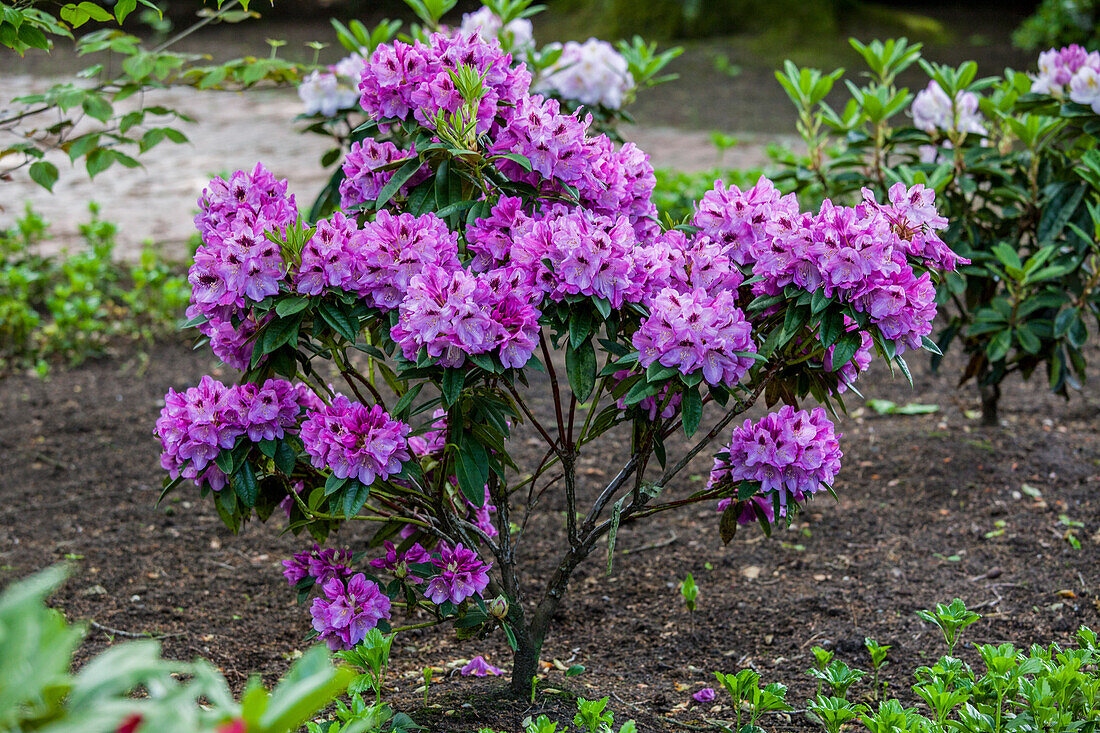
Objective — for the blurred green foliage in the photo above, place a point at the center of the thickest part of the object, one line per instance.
(1058, 23)
(704, 18)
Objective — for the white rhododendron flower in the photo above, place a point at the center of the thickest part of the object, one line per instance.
(592, 73)
(328, 92)
(517, 35)
(932, 111)
(1084, 87)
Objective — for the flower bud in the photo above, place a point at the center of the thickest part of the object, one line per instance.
(498, 607)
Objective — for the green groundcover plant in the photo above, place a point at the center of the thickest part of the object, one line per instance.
(78, 304)
(496, 263)
(1016, 171)
(1044, 688)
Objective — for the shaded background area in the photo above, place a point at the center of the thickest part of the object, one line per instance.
(732, 47)
(726, 84)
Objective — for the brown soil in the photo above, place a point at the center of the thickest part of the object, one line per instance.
(917, 497)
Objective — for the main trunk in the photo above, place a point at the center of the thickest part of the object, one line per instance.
(525, 663)
(529, 639)
(990, 394)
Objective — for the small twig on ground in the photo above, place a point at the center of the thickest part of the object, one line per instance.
(653, 545)
(811, 639)
(52, 461)
(128, 634)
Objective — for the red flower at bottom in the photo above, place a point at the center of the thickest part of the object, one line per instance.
(130, 724)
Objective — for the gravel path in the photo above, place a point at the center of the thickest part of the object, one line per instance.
(235, 130)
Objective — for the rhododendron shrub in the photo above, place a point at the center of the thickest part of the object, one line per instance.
(1011, 160)
(506, 277)
(595, 78)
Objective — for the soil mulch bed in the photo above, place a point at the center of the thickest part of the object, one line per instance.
(922, 500)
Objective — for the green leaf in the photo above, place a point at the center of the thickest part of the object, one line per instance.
(580, 365)
(285, 458)
(832, 326)
(290, 306)
(278, 333)
(355, 497)
(1027, 339)
(453, 380)
(124, 8)
(399, 179)
(516, 158)
(472, 471)
(97, 107)
(244, 483)
(44, 174)
(337, 320)
(692, 409)
(98, 161)
(334, 484)
(845, 348)
(997, 348)
(406, 401)
(727, 525)
(580, 327)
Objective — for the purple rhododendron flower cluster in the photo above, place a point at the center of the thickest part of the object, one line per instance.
(403, 81)
(265, 411)
(688, 264)
(196, 425)
(857, 254)
(236, 263)
(232, 343)
(789, 452)
(576, 252)
(1070, 71)
(354, 440)
(571, 251)
(348, 611)
(397, 563)
(378, 261)
(934, 113)
(696, 331)
(609, 180)
(362, 178)
(452, 314)
(318, 563)
(517, 33)
(461, 575)
(750, 508)
(739, 220)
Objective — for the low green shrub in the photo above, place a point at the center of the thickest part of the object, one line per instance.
(71, 306)
(1043, 688)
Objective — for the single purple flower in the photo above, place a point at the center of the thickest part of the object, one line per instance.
(706, 694)
(478, 667)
